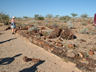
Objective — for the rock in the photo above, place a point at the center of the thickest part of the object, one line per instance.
(70, 54)
(26, 59)
(82, 40)
(67, 34)
(71, 46)
(59, 44)
(55, 33)
(91, 52)
(95, 52)
(80, 55)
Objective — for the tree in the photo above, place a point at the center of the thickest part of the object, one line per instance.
(49, 16)
(84, 16)
(73, 14)
(39, 17)
(4, 18)
(25, 17)
(57, 16)
(65, 18)
(36, 15)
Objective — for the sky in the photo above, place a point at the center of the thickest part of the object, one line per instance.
(20, 8)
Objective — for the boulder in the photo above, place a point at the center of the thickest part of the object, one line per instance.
(55, 33)
(67, 34)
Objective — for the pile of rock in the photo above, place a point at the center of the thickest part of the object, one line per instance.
(63, 33)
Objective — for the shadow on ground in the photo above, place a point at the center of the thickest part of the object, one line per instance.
(7, 40)
(8, 60)
(33, 68)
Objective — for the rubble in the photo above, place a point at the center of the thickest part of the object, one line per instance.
(56, 33)
(67, 34)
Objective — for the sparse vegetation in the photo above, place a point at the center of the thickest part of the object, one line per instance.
(70, 25)
(65, 18)
(49, 16)
(84, 31)
(84, 16)
(4, 18)
(63, 36)
(73, 14)
(38, 17)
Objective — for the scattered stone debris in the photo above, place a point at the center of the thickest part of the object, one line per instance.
(91, 52)
(71, 46)
(67, 34)
(56, 33)
(26, 59)
(55, 43)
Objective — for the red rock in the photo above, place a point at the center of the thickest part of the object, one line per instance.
(91, 52)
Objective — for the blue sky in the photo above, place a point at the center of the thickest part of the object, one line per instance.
(29, 8)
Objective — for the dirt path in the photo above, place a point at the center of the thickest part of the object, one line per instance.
(13, 48)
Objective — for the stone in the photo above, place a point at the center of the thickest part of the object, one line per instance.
(67, 34)
(59, 44)
(91, 52)
(70, 54)
(55, 33)
(71, 46)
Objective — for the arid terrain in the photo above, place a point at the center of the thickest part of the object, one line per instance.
(13, 48)
(63, 46)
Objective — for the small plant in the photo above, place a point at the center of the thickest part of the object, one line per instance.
(84, 16)
(55, 25)
(70, 25)
(84, 31)
(46, 33)
(84, 23)
(38, 17)
(34, 28)
(65, 18)
(49, 16)
(73, 14)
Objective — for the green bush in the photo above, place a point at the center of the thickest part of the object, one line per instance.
(70, 25)
(84, 31)
(38, 17)
(65, 18)
(73, 14)
(34, 28)
(49, 16)
(4, 18)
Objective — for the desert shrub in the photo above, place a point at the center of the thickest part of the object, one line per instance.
(25, 17)
(4, 18)
(49, 16)
(34, 28)
(55, 25)
(84, 23)
(57, 16)
(90, 20)
(70, 25)
(46, 33)
(65, 18)
(73, 14)
(84, 31)
(84, 16)
(38, 17)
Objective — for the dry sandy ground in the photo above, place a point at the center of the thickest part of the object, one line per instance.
(13, 48)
